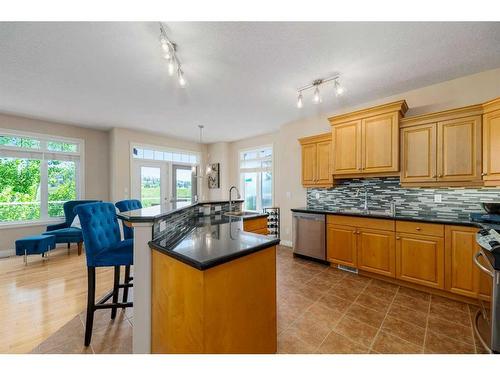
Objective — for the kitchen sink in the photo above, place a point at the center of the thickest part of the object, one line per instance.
(367, 212)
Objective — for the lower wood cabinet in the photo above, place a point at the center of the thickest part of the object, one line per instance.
(257, 225)
(462, 276)
(433, 255)
(376, 251)
(420, 259)
(341, 245)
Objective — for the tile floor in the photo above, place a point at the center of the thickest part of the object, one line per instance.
(320, 310)
(325, 310)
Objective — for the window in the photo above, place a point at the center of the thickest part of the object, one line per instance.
(177, 156)
(37, 175)
(256, 178)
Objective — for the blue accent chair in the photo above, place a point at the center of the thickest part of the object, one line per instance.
(124, 206)
(103, 248)
(34, 245)
(64, 232)
(128, 233)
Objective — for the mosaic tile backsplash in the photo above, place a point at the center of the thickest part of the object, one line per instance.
(456, 202)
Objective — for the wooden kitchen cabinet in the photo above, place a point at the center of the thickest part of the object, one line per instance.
(418, 153)
(461, 274)
(341, 245)
(255, 225)
(376, 251)
(442, 149)
(347, 148)
(420, 259)
(316, 160)
(364, 243)
(491, 143)
(380, 143)
(366, 142)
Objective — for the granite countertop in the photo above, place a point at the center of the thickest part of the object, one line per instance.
(380, 214)
(152, 213)
(212, 240)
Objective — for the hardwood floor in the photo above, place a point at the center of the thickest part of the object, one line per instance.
(38, 299)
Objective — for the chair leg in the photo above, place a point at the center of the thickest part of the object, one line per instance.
(25, 258)
(90, 304)
(68, 245)
(126, 281)
(80, 248)
(116, 289)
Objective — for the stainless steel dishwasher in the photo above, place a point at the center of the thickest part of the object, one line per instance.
(309, 235)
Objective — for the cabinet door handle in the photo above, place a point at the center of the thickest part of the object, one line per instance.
(353, 232)
(440, 176)
(418, 228)
(484, 174)
(398, 238)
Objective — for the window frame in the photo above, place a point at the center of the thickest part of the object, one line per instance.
(169, 165)
(43, 152)
(242, 170)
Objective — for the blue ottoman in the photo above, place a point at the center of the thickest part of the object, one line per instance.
(35, 245)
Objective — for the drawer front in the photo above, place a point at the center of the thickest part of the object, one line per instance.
(361, 222)
(252, 225)
(414, 227)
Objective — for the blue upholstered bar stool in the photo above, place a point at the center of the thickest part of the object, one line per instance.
(103, 248)
(128, 233)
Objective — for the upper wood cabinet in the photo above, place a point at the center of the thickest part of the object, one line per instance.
(442, 149)
(366, 142)
(316, 160)
(491, 143)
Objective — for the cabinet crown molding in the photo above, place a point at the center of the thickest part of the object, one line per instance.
(316, 138)
(492, 105)
(399, 106)
(449, 114)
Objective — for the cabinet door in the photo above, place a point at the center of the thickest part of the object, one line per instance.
(323, 162)
(491, 146)
(459, 149)
(462, 275)
(380, 143)
(341, 244)
(376, 251)
(347, 148)
(309, 164)
(418, 154)
(420, 259)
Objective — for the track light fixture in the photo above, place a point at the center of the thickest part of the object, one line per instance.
(339, 90)
(169, 50)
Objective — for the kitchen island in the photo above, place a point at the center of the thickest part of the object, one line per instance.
(201, 283)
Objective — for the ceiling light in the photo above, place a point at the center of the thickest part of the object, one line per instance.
(182, 80)
(339, 90)
(299, 100)
(171, 68)
(169, 49)
(316, 96)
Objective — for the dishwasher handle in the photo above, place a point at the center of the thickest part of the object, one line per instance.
(306, 216)
(480, 266)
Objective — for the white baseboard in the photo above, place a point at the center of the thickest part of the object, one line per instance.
(286, 243)
(7, 253)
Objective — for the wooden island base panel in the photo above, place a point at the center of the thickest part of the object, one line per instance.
(229, 308)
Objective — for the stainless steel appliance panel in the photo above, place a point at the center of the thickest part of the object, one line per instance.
(309, 235)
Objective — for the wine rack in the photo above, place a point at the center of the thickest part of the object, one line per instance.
(273, 221)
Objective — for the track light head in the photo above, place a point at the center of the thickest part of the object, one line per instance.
(300, 103)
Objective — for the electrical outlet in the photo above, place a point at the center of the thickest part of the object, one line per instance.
(317, 195)
(438, 198)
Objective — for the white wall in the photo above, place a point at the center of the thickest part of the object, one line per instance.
(120, 142)
(219, 153)
(289, 192)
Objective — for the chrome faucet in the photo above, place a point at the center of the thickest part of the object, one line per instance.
(238, 196)
(365, 205)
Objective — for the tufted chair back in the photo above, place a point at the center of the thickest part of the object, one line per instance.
(99, 226)
(69, 209)
(128, 205)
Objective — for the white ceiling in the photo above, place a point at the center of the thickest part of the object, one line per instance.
(242, 77)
